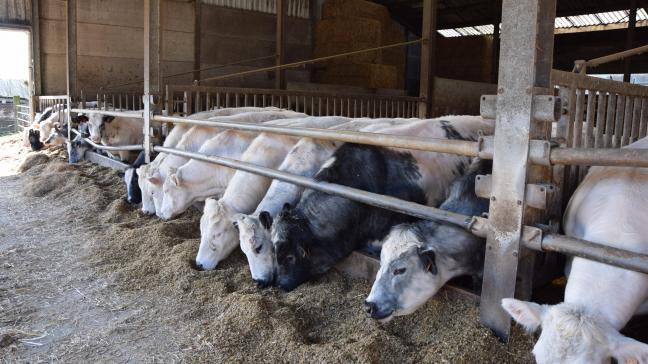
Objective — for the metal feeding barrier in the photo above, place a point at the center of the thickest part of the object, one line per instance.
(522, 187)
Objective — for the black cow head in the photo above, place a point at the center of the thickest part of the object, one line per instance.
(34, 140)
(291, 237)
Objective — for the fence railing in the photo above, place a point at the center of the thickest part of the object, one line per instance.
(186, 100)
(600, 113)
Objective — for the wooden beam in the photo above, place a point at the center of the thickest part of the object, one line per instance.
(71, 46)
(428, 58)
(35, 49)
(630, 36)
(197, 37)
(280, 43)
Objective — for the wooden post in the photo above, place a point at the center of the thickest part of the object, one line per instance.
(280, 43)
(35, 51)
(71, 54)
(152, 72)
(428, 58)
(630, 35)
(197, 37)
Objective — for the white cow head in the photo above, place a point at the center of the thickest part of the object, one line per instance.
(570, 335)
(254, 236)
(145, 181)
(218, 237)
(97, 124)
(175, 194)
(409, 275)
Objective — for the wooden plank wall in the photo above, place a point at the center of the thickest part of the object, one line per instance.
(110, 42)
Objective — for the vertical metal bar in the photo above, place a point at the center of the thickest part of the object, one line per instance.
(428, 58)
(197, 40)
(644, 118)
(636, 120)
(627, 121)
(305, 108)
(609, 121)
(71, 40)
(208, 101)
(600, 119)
(113, 101)
(618, 121)
(525, 63)
(578, 134)
(227, 99)
(245, 100)
(312, 112)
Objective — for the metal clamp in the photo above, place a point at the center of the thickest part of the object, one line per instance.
(536, 195)
(545, 107)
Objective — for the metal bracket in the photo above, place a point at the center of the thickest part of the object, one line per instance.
(545, 107)
(535, 195)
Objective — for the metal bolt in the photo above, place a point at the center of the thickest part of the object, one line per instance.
(515, 253)
(500, 90)
(490, 247)
(519, 202)
(492, 198)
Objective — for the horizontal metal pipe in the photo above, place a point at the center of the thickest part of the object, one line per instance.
(593, 251)
(600, 157)
(460, 147)
(369, 198)
(616, 56)
(120, 148)
(131, 114)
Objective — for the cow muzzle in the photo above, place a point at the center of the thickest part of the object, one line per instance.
(376, 313)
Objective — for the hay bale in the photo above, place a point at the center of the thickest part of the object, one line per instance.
(355, 8)
(33, 159)
(361, 74)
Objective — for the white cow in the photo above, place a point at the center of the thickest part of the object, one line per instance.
(244, 192)
(609, 207)
(193, 140)
(116, 131)
(305, 159)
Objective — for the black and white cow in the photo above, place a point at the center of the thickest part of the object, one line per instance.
(323, 229)
(34, 140)
(417, 259)
(133, 192)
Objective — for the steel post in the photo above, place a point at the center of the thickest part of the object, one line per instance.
(525, 67)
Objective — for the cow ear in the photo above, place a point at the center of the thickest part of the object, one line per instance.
(303, 253)
(427, 257)
(266, 219)
(107, 118)
(527, 314)
(627, 350)
(154, 177)
(82, 118)
(286, 207)
(176, 178)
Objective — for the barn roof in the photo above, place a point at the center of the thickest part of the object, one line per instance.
(477, 16)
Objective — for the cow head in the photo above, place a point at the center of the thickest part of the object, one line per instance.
(78, 147)
(571, 335)
(96, 125)
(133, 192)
(34, 140)
(254, 237)
(176, 195)
(291, 237)
(409, 275)
(146, 190)
(218, 236)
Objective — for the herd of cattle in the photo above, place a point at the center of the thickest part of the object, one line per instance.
(291, 235)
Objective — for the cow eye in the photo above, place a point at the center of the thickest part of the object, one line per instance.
(258, 249)
(399, 271)
(290, 259)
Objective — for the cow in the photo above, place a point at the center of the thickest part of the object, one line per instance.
(607, 208)
(115, 131)
(218, 236)
(304, 159)
(322, 229)
(194, 139)
(77, 150)
(56, 119)
(417, 259)
(131, 180)
(149, 178)
(34, 140)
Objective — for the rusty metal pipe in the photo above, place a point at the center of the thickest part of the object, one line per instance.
(600, 157)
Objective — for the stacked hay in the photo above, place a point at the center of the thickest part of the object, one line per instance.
(350, 25)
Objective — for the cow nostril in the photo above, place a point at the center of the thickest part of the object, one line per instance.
(261, 283)
(370, 307)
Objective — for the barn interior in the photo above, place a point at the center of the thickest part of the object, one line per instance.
(408, 58)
